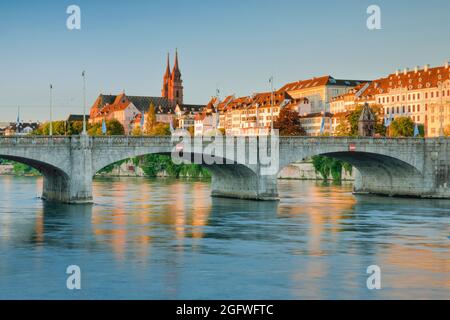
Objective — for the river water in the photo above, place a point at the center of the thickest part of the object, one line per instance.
(167, 239)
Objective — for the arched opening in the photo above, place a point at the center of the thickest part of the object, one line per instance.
(227, 180)
(380, 174)
(55, 181)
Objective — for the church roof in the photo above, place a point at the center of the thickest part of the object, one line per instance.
(142, 103)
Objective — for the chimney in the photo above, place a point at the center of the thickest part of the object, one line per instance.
(446, 64)
(426, 67)
(405, 71)
(397, 72)
(416, 69)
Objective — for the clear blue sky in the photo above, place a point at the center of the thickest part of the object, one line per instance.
(234, 44)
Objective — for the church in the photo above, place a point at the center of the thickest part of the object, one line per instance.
(170, 107)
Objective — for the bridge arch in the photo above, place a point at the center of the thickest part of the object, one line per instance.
(228, 180)
(390, 170)
(56, 180)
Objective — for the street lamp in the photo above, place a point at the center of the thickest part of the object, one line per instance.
(271, 104)
(84, 102)
(51, 109)
(441, 111)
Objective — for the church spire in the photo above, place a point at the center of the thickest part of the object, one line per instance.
(167, 79)
(176, 74)
(167, 75)
(176, 84)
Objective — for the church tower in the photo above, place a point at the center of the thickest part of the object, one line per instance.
(176, 84)
(166, 80)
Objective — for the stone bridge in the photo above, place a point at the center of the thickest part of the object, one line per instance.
(245, 168)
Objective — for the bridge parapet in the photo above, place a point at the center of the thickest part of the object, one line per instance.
(35, 141)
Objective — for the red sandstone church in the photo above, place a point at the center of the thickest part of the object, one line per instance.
(129, 109)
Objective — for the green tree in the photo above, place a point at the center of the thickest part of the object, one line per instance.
(288, 123)
(401, 127)
(58, 128)
(327, 166)
(113, 128)
(160, 129)
(150, 119)
(136, 131)
(75, 128)
(348, 124)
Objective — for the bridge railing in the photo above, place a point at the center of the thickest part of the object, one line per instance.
(34, 140)
(131, 141)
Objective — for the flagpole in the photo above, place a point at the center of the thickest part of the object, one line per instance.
(84, 102)
(51, 109)
(271, 105)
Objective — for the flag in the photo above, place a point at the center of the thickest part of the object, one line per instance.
(18, 117)
(387, 122)
(285, 103)
(142, 120)
(416, 131)
(104, 127)
(171, 126)
(322, 126)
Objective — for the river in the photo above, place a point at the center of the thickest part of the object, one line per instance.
(168, 239)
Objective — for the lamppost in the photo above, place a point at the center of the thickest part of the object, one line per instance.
(441, 111)
(83, 74)
(271, 104)
(51, 110)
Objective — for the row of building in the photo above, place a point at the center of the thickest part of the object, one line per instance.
(422, 93)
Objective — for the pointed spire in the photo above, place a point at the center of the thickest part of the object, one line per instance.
(176, 69)
(167, 75)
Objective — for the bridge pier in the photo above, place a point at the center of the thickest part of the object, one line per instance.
(76, 186)
(239, 182)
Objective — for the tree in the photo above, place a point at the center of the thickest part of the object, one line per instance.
(348, 124)
(136, 131)
(326, 166)
(447, 131)
(161, 129)
(401, 127)
(113, 128)
(150, 119)
(288, 123)
(58, 129)
(75, 128)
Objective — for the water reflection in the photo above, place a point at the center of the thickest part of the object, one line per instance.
(168, 239)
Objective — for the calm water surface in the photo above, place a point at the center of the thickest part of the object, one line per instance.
(163, 239)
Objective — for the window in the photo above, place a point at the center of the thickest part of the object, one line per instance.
(403, 109)
(414, 108)
(432, 95)
(426, 95)
(418, 108)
